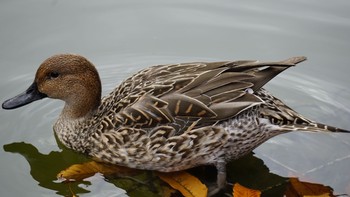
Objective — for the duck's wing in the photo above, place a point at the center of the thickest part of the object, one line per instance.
(208, 91)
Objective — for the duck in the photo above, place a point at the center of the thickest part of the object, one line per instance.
(168, 117)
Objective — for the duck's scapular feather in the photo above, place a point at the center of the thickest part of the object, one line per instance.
(168, 117)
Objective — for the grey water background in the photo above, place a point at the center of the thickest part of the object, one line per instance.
(122, 37)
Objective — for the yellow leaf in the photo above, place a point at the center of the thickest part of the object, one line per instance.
(78, 172)
(188, 185)
(241, 191)
(305, 189)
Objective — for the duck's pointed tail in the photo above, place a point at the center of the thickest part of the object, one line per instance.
(280, 114)
(314, 127)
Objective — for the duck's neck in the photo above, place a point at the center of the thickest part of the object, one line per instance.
(82, 104)
(73, 127)
(74, 133)
(80, 110)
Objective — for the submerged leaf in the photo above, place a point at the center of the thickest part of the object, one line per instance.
(241, 191)
(188, 185)
(305, 189)
(78, 172)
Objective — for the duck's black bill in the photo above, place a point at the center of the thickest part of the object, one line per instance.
(28, 96)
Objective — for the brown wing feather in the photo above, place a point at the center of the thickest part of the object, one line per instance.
(213, 91)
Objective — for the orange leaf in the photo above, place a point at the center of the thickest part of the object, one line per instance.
(241, 191)
(298, 188)
(188, 185)
(78, 172)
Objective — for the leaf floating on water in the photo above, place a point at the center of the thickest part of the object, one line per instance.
(304, 189)
(241, 191)
(188, 185)
(78, 172)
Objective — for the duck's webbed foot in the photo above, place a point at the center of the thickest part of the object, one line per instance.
(220, 179)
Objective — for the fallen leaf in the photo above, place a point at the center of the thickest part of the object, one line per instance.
(78, 172)
(188, 185)
(241, 191)
(305, 189)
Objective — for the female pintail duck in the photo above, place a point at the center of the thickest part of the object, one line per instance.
(167, 117)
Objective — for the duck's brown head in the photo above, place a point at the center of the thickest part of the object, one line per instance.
(68, 77)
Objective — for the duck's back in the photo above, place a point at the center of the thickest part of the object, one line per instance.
(217, 90)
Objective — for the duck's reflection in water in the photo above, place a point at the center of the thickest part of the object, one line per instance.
(249, 171)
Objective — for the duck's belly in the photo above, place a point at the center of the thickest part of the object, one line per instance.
(227, 140)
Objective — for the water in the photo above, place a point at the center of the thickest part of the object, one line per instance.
(121, 37)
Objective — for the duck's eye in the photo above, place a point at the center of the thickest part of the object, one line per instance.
(53, 75)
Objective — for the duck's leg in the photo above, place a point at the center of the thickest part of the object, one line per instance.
(220, 179)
